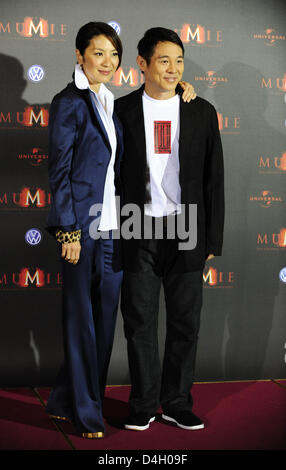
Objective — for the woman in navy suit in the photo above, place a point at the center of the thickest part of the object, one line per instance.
(85, 148)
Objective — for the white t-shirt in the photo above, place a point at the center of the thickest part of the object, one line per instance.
(162, 128)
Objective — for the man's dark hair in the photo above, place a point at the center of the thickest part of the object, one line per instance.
(96, 28)
(147, 44)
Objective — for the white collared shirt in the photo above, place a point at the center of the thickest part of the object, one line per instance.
(104, 102)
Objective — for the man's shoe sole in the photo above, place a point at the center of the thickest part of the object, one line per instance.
(193, 428)
(134, 427)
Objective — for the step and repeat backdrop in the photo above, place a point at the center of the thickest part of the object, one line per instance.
(235, 58)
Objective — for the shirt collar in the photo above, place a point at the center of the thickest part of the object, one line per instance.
(81, 82)
(80, 78)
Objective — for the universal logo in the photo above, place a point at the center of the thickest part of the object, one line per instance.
(270, 37)
(28, 198)
(30, 278)
(271, 241)
(35, 157)
(198, 35)
(213, 278)
(33, 28)
(272, 164)
(266, 198)
(211, 78)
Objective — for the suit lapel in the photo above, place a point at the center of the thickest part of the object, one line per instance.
(119, 136)
(187, 122)
(96, 117)
(135, 120)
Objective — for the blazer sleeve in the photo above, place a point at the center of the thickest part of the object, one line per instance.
(214, 188)
(62, 137)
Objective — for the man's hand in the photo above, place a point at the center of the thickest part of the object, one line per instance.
(210, 257)
(189, 92)
(71, 251)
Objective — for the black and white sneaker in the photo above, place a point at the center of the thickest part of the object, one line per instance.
(139, 422)
(184, 419)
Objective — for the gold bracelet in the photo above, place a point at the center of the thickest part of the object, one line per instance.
(68, 237)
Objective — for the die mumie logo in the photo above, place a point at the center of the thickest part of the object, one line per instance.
(33, 117)
(127, 77)
(272, 164)
(33, 198)
(228, 124)
(275, 84)
(30, 278)
(33, 28)
(267, 241)
(214, 278)
(199, 35)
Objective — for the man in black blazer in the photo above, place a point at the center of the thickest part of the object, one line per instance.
(172, 163)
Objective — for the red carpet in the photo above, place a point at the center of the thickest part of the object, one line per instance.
(237, 416)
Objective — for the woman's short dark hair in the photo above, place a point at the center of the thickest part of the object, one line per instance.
(96, 28)
(147, 44)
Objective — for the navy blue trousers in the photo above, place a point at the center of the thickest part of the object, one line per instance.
(90, 301)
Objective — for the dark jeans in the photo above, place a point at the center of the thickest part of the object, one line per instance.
(150, 387)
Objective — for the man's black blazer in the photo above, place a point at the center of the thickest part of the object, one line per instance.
(201, 173)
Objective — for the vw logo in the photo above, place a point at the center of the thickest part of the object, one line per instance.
(282, 275)
(36, 73)
(115, 26)
(33, 237)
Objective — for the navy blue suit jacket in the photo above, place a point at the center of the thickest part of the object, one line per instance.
(79, 154)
